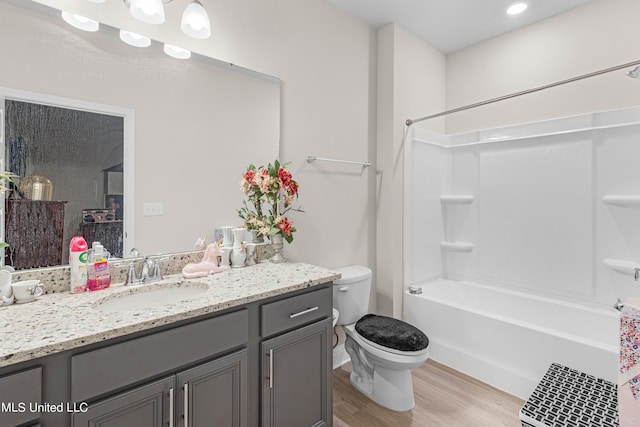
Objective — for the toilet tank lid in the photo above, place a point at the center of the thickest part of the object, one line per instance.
(352, 273)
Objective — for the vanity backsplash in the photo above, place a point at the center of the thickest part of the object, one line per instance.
(56, 279)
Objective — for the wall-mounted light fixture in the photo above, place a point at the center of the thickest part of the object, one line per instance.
(194, 23)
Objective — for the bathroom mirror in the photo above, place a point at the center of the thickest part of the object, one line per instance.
(189, 127)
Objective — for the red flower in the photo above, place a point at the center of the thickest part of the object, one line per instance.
(285, 226)
(249, 176)
(285, 177)
(293, 187)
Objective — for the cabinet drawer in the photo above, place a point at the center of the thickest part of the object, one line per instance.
(295, 311)
(119, 365)
(20, 393)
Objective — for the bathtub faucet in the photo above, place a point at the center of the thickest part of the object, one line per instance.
(618, 305)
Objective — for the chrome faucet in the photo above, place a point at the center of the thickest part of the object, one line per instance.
(150, 272)
(618, 305)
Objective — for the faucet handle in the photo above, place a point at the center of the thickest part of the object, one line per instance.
(132, 277)
(152, 268)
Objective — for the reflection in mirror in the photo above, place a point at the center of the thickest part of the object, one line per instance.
(190, 128)
(79, 156)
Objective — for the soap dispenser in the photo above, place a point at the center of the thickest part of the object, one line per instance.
(98, 268)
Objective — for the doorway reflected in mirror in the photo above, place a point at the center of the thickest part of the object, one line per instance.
(80, 154)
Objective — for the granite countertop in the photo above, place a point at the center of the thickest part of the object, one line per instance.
(62, 321)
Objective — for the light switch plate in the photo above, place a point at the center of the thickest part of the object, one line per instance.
(152, 209)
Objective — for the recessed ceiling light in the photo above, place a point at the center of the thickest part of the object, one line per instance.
(516, 8)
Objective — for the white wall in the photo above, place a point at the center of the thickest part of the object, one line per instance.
(598, 35)
(411, 77)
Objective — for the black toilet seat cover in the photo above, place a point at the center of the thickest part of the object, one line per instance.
(391, 333)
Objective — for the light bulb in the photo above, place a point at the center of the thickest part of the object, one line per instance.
(134, 39)
(148, 11)
(195, 21)
(80, 22)
(176, 52)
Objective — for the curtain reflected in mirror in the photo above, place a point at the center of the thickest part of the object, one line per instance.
(69, 181)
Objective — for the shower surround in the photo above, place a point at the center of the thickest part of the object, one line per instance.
(549, 209)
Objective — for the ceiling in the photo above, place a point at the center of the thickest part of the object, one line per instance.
(450, 25)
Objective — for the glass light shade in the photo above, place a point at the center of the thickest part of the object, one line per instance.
(134, 39)
(195, 21)
(176, 52)
(148, 11)
(80, 22)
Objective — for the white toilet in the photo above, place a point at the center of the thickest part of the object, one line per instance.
(383, 350)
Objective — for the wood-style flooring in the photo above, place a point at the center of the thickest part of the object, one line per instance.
(444, 398)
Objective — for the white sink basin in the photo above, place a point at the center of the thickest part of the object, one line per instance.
(152, 296)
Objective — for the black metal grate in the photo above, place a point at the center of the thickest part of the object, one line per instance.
(566, 397)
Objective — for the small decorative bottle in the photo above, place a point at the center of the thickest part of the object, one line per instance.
(238, 253)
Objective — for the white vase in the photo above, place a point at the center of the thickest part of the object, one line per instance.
(227, 236)
(238, 255)
(277, 243)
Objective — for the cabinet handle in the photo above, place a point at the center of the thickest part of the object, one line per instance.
(271, 368)
(185, 388)
(171, 407)
(300, 313)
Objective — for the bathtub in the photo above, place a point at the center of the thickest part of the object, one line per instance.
(508, 338)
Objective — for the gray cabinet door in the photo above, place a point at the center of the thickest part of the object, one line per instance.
(147, 406)
(296, 378)
(214, 394)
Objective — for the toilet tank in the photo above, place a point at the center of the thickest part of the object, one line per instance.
(351, 293)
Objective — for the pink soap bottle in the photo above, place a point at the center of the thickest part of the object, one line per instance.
(98, 268)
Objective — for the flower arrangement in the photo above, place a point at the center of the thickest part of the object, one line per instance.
(271, 190)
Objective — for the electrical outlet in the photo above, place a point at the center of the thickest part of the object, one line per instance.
(152, 209)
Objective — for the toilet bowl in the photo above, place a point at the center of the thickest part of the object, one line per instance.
(383, 350)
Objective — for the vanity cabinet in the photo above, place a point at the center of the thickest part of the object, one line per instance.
(25, 391)
(263, 363)
(296, 365)
(213, 393)
(143, 406)
(296, 390)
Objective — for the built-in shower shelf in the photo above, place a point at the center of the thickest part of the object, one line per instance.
(457, 199)
(456, 246)
(621, 266)
(626, 201)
